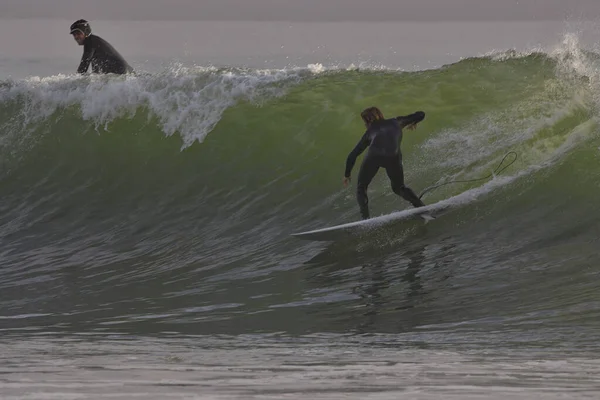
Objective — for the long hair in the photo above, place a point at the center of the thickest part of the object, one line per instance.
(371, 115)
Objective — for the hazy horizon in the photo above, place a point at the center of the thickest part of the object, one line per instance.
(410, 35)
(305, 10)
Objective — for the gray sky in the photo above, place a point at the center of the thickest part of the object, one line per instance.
(303, 10)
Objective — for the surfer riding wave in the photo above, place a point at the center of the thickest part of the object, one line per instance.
(383, 138)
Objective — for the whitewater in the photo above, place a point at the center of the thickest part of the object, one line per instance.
(146, 221)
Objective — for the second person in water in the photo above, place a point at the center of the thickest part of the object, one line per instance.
(103, 57)
(383, 138)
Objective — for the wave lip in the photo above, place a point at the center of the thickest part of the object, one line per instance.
(185, 101)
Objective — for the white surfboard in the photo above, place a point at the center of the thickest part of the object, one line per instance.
(359, 228)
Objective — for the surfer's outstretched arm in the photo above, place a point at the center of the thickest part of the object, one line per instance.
(411, 119)
(362, 144)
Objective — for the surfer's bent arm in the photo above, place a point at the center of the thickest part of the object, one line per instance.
(411, 119)
(358, 149)
(86, 59)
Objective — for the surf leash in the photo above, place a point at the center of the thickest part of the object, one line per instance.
(495, 172)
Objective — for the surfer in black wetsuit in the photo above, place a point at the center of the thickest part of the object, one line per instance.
(97, 52)
(383, 137)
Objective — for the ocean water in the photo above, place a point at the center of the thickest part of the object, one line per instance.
(145, 221)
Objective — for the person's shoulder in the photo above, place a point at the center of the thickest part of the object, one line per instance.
(91, 39)
(96, 39)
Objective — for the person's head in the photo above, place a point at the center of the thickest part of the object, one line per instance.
(371, 115)
(80, 29)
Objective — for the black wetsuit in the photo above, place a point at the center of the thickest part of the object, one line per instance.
(103, 57)
(383, 139)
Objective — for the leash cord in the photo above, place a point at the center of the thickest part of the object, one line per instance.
(495, 172)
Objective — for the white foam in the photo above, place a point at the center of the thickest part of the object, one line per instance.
(580, 134)
(188, 101)
(477, 146)
(495, 132)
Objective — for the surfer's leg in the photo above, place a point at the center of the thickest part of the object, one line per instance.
(368, 169)
(396, 174)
